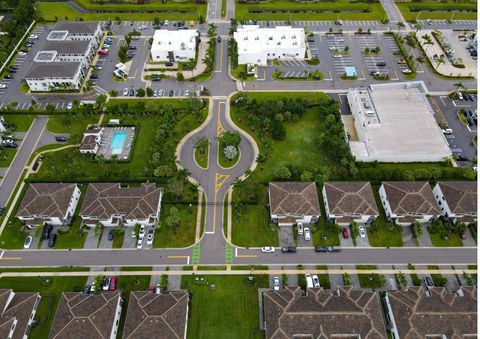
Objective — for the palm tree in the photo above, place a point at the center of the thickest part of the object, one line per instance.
(400, 25)
(418, 26)
(440, 61)
(427, 40)
(459, 85)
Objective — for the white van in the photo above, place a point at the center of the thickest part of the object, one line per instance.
(309, 279)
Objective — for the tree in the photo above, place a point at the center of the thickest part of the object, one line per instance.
(230, 138)
(98, 229)
(346, 49)
(99, 281)
(402, 280)
(458, 86)
(230, 152)
(141, 92)
(440, 61)
(163, 171)
(460, 228)
(201, 143)
(418, 26)
(417, 229)
(427, 40)
(347, 280)
(354, 230)
(173, 218)
(180, 76)
(163, 284)
(149, 91)
(360, 30)
(281, 172)
(136, 230)
(176, 187)
(284, 280)
(400, 25)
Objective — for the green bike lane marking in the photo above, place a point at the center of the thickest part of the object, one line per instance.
(196, 254)
(228, 254)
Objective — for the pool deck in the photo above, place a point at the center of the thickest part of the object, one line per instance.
(105, 146)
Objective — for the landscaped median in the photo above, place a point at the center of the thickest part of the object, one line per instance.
(228, 150)
(438, 10)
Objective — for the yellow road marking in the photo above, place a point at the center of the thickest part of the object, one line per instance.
(229, 267)
(195, 267)
(12, 258)
(247, 256)
(396, 74)
(135, 74)
(363, 74)
(144, 42)
(219, 181)
(177, 257)
(220, 129)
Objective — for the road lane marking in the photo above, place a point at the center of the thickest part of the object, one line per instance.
(180, 257)
(1, 255)
(220, 128)
(11, 258)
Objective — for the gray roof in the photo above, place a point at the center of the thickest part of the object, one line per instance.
(407, 197)
(40, 70)
(350, 198)
(86, 27)
(67, 47)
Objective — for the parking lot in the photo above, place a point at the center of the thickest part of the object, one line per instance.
(460, 140)
(323, 25)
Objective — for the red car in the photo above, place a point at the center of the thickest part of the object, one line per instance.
(113, 284)
(102, 52)
(345, 233)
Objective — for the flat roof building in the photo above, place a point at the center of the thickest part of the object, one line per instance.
(174, 46)
(415, 314)
(257, 45)
(67, 51)
(395, 123)
(161, 316)
(48, 76)
(76, 30)
(345, 313)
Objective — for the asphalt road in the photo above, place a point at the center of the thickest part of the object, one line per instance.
(28, 145)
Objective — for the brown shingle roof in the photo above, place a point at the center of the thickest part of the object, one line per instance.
(417, 315)
(83, 316)
(161, 316)
(350, 198)
(46, 200)
(323, 314)
(408, 197)
(294, 198)
(461, 196)
(19, 308)
(104, 199)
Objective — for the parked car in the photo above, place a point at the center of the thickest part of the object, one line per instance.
(316, 281)
(141, 233)
(94, 76)
(321, 249)
(339, 22)
(22, 53)
(102, 52)
(47, 229)
(276, 283)
(106, 284)
(2, 86)
(150, 237)
(459, 96)
(140, 243)
(170, 94)
(86, 289)
(381, 64)
(33, 36)
(156, 79)
(125, 92)
(9, 143)
(52, 240)
(361, 231)
(131, 92)
(133, 234)
(9, 76)
(406, 71)
(268, 249)
(374, 73)
(333, 249)
(155, 93)
(219, 38)
(28, 242)
(401, 61)
(113, 284)
(345, 233)
(169, 64)
(428, 282)
(61, 138)
(337, 56)
(93, 288)
(447, 131)
(306, 233)
(429, 21)
(300, 228)
(111, 235)
(70, 106)
(289, 249)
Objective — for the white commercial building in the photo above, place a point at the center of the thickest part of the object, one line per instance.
(75, 31)
(257, 45)
(174, 46)
(67, 51)
(395, 123)
(43, 77)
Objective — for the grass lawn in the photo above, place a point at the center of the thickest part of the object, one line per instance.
(438, 10)
(22, 122)
(50, 294)
(293, 10)
(223, 161)
(300, 143)
(172, 236)
(202, 159)
(452, 241)
(52, 11)
(416, 281)
(118, 240)
(324, 234)
(232, 293)
(251, 223)
(241, 70)
(71, 165)
(323, 278)
(385, 237)
(370, 280)
(71, 124)
(74, 237)
(6, 156)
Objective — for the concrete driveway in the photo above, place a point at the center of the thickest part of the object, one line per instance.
(363, 242)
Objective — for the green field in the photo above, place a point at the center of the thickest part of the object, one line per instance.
(251, 223)
(186, 11)
(173, 236)
(230, 310)
(50, 294)
(71, 165)
(291, 10)
(21, 122)
(461, 10)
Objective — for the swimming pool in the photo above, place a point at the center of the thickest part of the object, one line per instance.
(118, 140)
